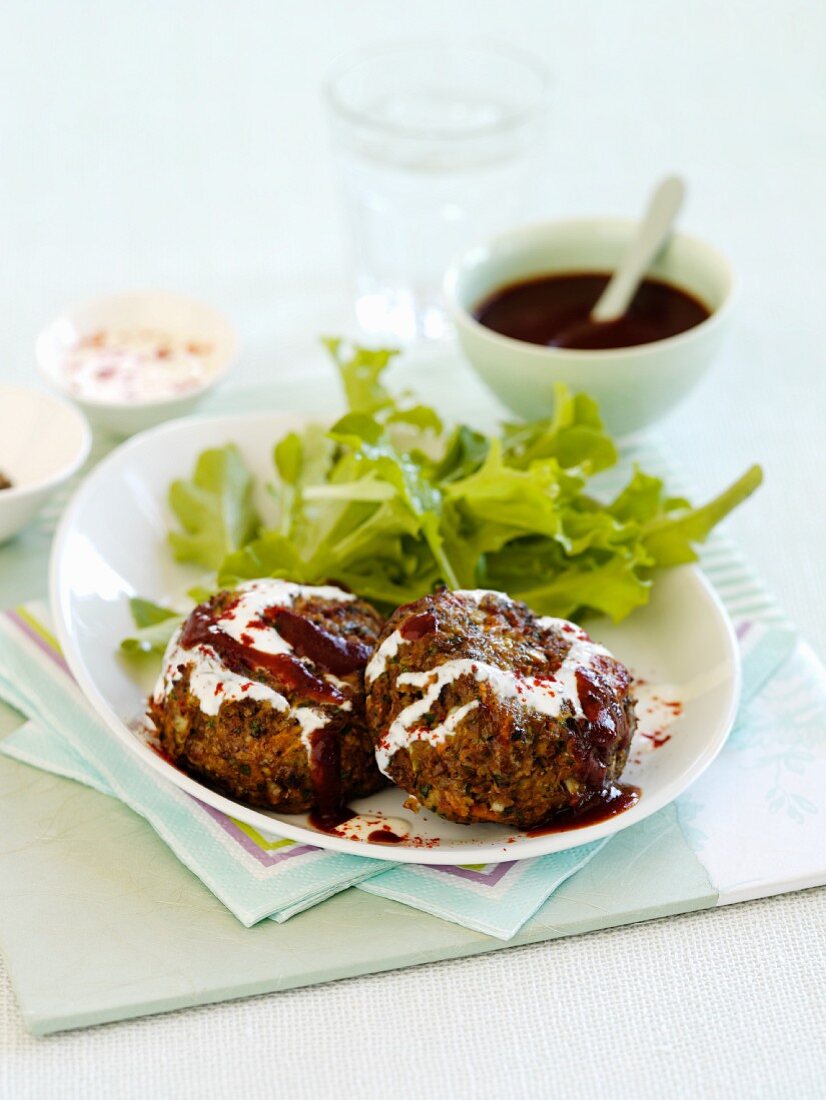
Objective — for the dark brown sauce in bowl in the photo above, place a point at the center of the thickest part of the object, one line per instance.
(553, 311)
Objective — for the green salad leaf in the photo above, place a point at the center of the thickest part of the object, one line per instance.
(361, 373)
(390, 503)
(214, 508)
(145, 613)
(670, 537)
(574, 436)
(155, 626)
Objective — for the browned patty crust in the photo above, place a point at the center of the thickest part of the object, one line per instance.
(500, 758)
(283, 730)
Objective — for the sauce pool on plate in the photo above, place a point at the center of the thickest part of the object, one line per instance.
(553, 311)
(613, 800)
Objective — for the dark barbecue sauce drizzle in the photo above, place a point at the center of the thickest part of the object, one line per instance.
(329, 820)
(595, 700)
(331, 653)
(418, 626)
(603, 715)
(203, 629)
(325, 774)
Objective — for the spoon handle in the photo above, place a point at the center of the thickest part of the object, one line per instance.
(650, 236)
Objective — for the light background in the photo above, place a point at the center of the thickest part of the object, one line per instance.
(183, 145)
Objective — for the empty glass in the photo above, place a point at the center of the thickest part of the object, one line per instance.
(436, 143)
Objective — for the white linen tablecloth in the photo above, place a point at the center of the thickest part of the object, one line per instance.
(183, 145)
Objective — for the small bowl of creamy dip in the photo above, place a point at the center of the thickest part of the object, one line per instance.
(133, 360)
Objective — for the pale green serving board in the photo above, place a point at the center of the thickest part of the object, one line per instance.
(100, 922)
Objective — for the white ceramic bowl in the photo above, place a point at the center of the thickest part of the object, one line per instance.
(634, 386)
(174, 314)
(43, 441)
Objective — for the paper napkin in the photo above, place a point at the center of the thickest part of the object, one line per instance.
(253, 875)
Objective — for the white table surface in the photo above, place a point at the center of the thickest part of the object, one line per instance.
(182, 144)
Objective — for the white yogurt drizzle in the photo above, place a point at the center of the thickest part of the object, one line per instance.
(549, 696)
(391, 644)
(213, 684)
(385, 652)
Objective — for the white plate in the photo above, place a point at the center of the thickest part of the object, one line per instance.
(112, 545)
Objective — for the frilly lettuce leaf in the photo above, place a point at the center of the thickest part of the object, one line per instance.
(528, 501)
(360, 375)
(464, 452)
(390, 504)
(614, 587)
(155, 626)
(214, 508)
(574, 436)
(146, 613)
(670, 538)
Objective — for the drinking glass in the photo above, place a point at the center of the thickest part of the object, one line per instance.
(436, 144)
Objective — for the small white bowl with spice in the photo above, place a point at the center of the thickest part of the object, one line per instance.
(133, 360)
(43, 442)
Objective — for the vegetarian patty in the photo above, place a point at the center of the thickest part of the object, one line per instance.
(262, 696)
(484, 712)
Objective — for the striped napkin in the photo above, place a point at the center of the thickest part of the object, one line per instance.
(253, 875)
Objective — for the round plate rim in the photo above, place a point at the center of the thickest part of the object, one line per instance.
(491, 853)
